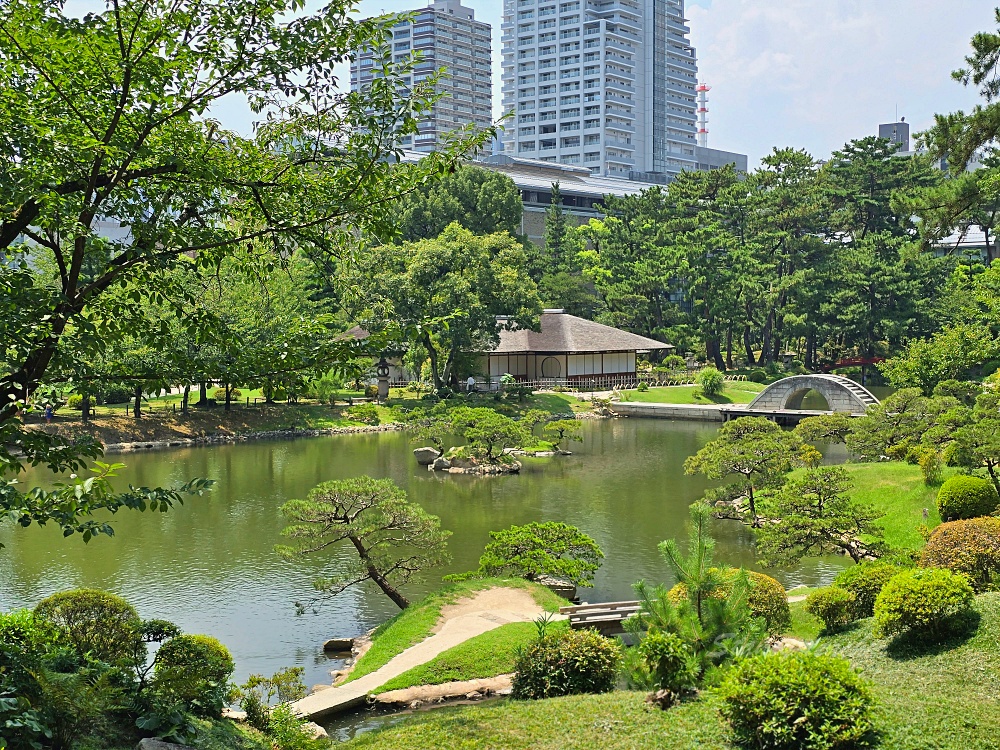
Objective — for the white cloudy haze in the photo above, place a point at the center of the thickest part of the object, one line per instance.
(806, 73)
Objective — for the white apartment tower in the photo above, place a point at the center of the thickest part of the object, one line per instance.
(447, 35)
(604, 84)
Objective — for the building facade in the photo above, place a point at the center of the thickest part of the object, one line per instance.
(445, 34)
(609, 85)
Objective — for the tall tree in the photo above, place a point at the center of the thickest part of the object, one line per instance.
(103, 122)
(457, 291)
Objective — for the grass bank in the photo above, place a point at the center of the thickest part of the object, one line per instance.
(943, 698)
(488, 655)
(735, 393)
(415, 623)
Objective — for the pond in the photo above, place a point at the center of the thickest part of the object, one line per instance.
(209, 565)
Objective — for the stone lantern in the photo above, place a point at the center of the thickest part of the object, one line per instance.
(382, 371)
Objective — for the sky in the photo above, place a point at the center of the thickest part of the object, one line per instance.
(811, 74)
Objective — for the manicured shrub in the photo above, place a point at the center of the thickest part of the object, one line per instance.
(865, 581)
(970, 547)
(75, 401)
(797, 701)
(193, 670)
(671, 663)
(94, 622)
(925, 601)
(834, 606)
(964, 497)
(642, 387)
(235, 394)
(757, 376)
(767, 598)
(568, 662)
(712, 381)
(371, 391)
(364, 413)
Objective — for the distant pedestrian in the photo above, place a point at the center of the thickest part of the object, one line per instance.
(48, 413)
(471, 384)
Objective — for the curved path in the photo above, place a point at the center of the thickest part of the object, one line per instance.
(459, 622)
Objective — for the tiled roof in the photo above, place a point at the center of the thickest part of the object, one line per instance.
(562, 332)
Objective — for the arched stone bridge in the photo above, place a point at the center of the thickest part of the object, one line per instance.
(841, 394)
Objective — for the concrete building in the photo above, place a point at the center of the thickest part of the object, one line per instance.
(608, 85)
(898, 133)
(446, 35)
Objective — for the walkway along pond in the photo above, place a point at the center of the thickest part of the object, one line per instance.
(209, 565)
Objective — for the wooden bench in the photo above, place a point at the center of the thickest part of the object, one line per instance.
(606, 617)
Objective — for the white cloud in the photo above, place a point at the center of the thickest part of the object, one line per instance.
(817, 73)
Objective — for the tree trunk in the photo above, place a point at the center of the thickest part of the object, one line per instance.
(765, 349)
(729, 347)
(202, 394)
(137, 408)
(85, 408)
(185, 399)
(380, 580)
(433, 356)
(715, 353)
(748, 345)
(229, 396)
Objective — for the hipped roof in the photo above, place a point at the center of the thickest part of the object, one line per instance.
(561, 332)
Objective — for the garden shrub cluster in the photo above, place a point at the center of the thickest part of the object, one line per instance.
(235, 394)
(865, 581)
(671, 662)
(798, 701)
(925, 602)
(194, 671)
(964, 497)
(971, 548)
(836, 607)
(712, 381)
(95, 623)
(75, 401)
(567, 662)
(364, 413)
(766, 597)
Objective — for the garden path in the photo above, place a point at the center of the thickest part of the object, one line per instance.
(459, 622)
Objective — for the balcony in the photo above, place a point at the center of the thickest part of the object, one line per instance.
(614, 85)
(620, 159)
(611, 96)
(615, 143)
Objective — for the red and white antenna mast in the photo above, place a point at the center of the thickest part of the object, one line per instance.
(703, 90)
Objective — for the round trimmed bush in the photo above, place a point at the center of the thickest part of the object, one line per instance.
(964, 497)
(970, 547)
(767, 598)
(95, 622)
(924, 601)
(757, 376)
(194, 670)
(865, 581)
(235, 394)
(834, 606)
(797, 700)
(568, 662)
(670, 661)
(75, 401)
(364, 413)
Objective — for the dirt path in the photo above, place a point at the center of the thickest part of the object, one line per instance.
(459, 622)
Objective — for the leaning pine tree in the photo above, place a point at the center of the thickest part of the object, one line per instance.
(394, 539)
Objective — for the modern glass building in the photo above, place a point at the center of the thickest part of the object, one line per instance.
(604, 84)
(447, 35)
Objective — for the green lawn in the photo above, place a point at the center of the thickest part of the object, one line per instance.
(945, 698)
(415, 622)
(735, 393)
(488, 655)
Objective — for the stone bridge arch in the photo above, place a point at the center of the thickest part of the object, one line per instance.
(842, 394)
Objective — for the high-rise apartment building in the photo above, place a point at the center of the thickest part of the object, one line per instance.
(604, 84)
(447, 35)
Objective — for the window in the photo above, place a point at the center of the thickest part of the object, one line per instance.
(543, 90)
(527, 146)
(526, 118)
(575, 112)
(571, 126)
(575, 99)
(546, 129)
(590, 140)
(527, 131)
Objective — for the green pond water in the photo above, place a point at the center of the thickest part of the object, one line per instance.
(209, 566)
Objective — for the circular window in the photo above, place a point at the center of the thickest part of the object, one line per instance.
(551, 368)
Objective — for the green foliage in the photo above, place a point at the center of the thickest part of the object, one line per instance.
(927, 602)
(566, 662)
(24, 642)
(287, 731)
(671, 663)
(193, 670)
(538, 550)
(560, 431)
(950, 355)
(94, 622)
(798, 701)
(898, 424)
(75, 401)
(259, 693)
(395, 539)
(864, 582)
(757, 375)
(765, 597)
(970, 548)
(219, 394)
(931, 465)
(836, 607)
(963, 497)
(812, 515)
(712, 382)
(754, 449)
(364, 413)
(832, 428)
